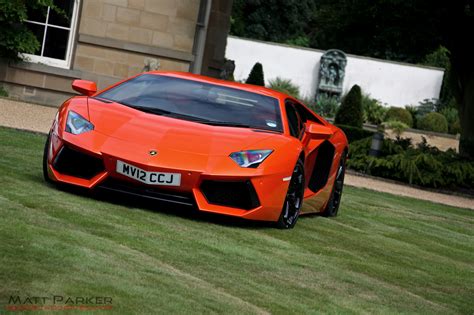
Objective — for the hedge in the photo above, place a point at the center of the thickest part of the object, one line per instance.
(422, 165)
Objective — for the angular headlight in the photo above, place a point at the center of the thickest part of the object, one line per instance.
(76, 124)
(250, 158)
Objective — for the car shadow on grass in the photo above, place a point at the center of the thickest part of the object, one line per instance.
(182, 211)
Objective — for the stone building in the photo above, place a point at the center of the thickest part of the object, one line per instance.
(108, 40)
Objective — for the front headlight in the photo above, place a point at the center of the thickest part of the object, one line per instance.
(250, 158)
(76, 124)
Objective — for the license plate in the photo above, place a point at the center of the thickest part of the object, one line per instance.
(150, 178)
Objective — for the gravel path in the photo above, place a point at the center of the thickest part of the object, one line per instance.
(39, 118)
(26, 116)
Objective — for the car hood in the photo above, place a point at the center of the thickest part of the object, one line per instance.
(147, 130)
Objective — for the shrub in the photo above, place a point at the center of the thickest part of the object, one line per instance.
(256, 75)
(350, 111)
(399, 114)
(396, 126)
(433, 122)
(3, 92)
(373, 111)
(413, 110)
(455, 128)
(325, 105)
(355, 133)
(423, 165)
(452, 116)
(284, 86)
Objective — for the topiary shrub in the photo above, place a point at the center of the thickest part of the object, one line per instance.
(350, 112)
(399, 114)
(433, 122)
(284, 86)
(256, 75)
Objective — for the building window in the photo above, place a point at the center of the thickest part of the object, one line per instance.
(55, 33)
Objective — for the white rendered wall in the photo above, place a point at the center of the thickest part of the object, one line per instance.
(395, 84)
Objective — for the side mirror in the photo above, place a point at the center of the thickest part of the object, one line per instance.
(316, 131)
(84, 87)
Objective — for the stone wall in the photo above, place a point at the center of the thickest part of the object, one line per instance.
(117, 37)
(164, 23)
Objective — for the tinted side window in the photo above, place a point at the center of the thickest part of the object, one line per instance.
(293, 120)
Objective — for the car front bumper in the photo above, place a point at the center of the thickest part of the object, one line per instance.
(210, 183)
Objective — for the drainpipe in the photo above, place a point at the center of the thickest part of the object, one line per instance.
(200, 36)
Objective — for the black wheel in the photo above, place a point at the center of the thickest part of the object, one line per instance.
(294, 198)
(335, 200)
(45, 160)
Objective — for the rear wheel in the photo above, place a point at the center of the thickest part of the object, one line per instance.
(335, 200)
(294, 198)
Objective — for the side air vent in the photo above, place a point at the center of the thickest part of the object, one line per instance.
(323, 164)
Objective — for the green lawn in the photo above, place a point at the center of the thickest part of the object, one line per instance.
(383, 254)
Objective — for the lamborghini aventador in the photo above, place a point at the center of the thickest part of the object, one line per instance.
(219, 146)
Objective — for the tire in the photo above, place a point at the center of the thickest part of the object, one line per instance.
(294, 198)
(334, 202)
(45, 160)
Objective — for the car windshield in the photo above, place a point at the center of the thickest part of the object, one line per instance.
(197, 101)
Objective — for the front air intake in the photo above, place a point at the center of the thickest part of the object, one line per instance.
(75, 163)
(236, 194)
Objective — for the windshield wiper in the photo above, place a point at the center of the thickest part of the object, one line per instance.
(151, 110)
(224, 123)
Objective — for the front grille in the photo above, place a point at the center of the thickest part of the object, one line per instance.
(239, 194)
(148, 192)
(78, 164)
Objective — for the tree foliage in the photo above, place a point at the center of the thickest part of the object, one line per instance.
(284, 21)
(350, 112)
(15, 37)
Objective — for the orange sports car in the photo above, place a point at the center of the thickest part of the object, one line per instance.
(222, 147)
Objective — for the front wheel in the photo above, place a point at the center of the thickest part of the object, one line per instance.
(294, 198)
(335, 200)
(45, 160)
